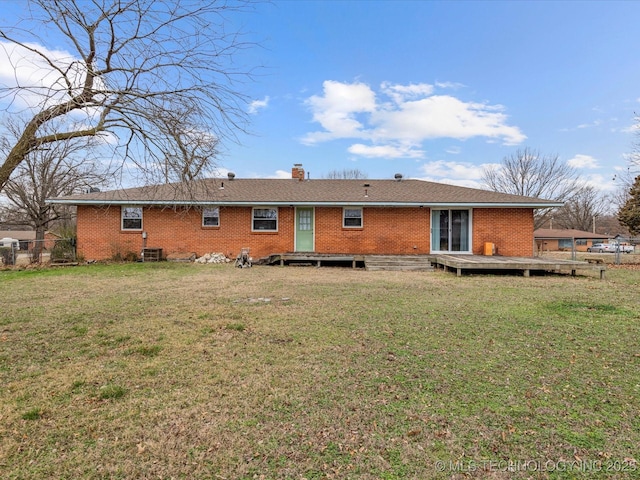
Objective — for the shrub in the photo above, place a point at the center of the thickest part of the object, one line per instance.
(6, 256)
(64, 249)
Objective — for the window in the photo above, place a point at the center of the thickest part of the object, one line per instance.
(265, 219)
(211, 217)
(131, 218)
(352, 217)
(565, 243)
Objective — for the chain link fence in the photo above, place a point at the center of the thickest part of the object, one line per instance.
(62, 250)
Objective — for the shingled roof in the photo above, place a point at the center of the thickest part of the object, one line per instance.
(548, 233)
(224, 191)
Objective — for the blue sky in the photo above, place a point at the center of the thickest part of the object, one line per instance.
(435, 90)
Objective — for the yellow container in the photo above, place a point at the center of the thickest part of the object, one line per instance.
(489, 248)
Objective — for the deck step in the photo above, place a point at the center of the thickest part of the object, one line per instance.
(398, 263)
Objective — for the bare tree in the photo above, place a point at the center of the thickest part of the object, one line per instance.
(62, 169)
(188, 151)
(529, 173)
(580, 211)
(346, 173)
(129, 66)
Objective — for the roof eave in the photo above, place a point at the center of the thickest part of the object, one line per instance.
(178, 203)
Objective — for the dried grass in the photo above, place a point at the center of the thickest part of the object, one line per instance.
(186, 371)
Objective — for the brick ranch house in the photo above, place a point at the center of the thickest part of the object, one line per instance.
(550, 240)
(395, 216)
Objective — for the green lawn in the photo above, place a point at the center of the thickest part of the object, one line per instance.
(188, 371)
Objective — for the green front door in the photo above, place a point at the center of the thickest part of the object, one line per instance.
(304, 229)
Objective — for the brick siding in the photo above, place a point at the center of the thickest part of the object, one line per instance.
(510, 229)
(384, 231)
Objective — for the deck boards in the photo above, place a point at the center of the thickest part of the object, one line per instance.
(522, 264)
(457, 262)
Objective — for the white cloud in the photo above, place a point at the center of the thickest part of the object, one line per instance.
(37, 85)
(401, 93)
(257, 105)
(221, 172)
(453, 85)
(455, 173)
(583, 161)
(385, 151)
(335, 111)
(413, 115)
(595, 123)
(281, 174)
(635, 128)
(600, 182)
(443, 116)
(452, 181)
(40, 84)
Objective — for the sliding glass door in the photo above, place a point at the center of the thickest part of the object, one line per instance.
(450, 231)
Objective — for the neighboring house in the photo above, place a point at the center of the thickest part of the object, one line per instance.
(27, 238)
(554, 240)
(300, 215)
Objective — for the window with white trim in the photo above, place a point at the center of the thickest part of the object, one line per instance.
(131, 218)
(211, 217)
(352, 217)
(265, 220)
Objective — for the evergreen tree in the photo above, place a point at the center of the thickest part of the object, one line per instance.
(629, 214)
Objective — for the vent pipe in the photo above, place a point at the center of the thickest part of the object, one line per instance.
(398, 177)
(231, 176)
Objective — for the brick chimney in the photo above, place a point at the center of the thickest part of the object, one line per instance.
(297, 171)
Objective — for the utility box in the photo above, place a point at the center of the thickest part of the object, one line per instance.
(151, 254)
(489, 248)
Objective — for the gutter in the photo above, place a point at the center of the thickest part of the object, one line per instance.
(192, 203)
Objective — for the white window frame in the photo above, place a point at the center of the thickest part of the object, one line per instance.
(344, 217)
(254, 218)
(123, 216)
(207, 213)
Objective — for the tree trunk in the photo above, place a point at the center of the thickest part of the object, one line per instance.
(37, 248)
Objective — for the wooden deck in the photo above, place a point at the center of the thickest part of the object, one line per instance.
(459, 263)
(317, 259)
(526, 265)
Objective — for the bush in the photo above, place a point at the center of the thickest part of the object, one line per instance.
(124, 257)
(64, 249)
(6, 256)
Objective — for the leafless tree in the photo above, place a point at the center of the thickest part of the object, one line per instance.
(187, 150)
(580, 210)
(527, 172)
(61, 169)
(129, 66)
(346, 173)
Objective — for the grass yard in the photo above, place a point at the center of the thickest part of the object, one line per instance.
(210, 372)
